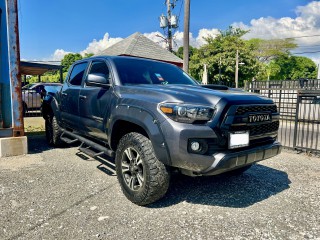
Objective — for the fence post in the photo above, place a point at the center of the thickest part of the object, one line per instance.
(296, 120)
(280, 94)
(246, 85)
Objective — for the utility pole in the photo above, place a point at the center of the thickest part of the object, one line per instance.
(186, 35)
(169, 22)
(169, 25)
(237, 68)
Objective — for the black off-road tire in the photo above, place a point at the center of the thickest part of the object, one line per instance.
(147, 179)
(53, 132)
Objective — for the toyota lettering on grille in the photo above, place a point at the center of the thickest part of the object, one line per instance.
(259, 118)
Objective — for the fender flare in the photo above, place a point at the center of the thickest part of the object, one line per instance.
(50, 106)
(147, 121)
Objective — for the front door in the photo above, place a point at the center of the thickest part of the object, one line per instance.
(69, 107)
(94, 103)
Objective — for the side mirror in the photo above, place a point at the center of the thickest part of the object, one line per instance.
(97, 80)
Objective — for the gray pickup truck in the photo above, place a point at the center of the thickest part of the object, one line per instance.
(152, 118)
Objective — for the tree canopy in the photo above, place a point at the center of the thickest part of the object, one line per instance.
(69, 59)
(266, 50)
(295, 67)
(219, 54)
(258, 58)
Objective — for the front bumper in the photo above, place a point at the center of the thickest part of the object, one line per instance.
(224, 162)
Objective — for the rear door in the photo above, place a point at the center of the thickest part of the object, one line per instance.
(94, 103)
(69, 107)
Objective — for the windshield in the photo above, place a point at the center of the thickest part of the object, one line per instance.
(138, 71)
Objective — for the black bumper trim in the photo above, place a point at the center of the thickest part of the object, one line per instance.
(227, 161)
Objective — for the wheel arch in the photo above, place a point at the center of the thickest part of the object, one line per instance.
(50, 107)
(134, 119)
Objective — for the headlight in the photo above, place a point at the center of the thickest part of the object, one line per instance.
(187, 113)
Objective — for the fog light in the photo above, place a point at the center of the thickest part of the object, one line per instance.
(195, 146)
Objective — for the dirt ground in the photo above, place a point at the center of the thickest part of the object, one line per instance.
(62, 194)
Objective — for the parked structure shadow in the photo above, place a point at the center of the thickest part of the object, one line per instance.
(37, 144)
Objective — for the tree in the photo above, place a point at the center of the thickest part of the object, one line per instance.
(69, 59)
(179, 52)
(266, 50)
(295, 67)
(87, 55)
(219, 54)
(268, 71)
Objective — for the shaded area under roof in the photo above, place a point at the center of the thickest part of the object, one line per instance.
(137, 45)
(37, 68)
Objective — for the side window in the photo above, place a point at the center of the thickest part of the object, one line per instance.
(77, 74)
(100, 68)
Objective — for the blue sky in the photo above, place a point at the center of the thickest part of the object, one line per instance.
(49, 29)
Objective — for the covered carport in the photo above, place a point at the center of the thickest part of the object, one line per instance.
(38, 69)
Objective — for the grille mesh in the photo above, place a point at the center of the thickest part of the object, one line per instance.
(258, 129)
(256, 108)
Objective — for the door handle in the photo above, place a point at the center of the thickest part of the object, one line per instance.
(64, 94)
(82, 97)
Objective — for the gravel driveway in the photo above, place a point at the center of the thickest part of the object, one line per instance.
(61, 194)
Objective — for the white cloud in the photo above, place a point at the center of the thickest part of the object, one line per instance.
(205, 33)
(96, 46)
(157, 37)
(178, 38)
(306, 23)
(58, 54)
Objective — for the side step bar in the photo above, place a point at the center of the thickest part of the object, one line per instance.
(101, 149)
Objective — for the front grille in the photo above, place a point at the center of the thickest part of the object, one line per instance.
(258, 129)
(256, 108)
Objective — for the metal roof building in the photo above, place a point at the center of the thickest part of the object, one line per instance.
(137, 45)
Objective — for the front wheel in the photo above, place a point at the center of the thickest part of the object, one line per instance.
(142, 177)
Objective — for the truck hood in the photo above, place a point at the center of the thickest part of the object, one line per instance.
(188, 94)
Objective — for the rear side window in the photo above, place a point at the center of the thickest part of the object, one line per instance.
(77, 74)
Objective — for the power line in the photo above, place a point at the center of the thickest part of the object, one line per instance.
(268, 34)
(307, 46)
(306, 36)
(305, 52)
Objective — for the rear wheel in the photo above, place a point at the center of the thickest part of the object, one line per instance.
(142, 177)
(53, 132)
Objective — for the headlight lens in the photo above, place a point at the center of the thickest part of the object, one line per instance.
(187, 113)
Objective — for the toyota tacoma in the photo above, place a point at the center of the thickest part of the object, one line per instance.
(152, 118)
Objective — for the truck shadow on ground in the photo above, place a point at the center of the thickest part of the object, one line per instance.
(253, 186)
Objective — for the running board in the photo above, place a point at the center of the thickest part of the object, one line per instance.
(100, 149)
(67, 140)
(90, 152)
